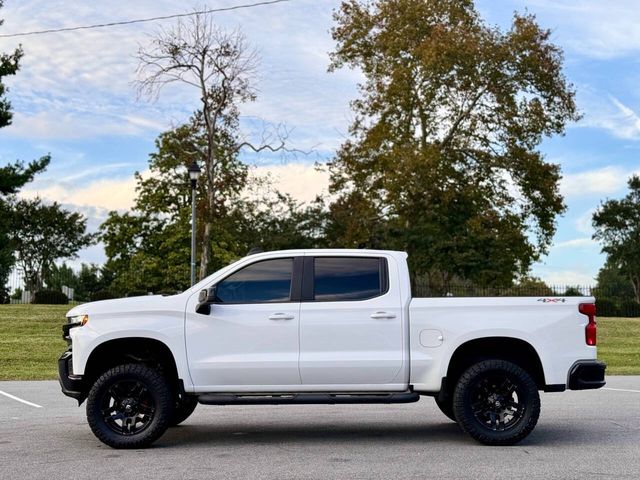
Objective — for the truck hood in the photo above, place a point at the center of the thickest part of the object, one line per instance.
(127, 305)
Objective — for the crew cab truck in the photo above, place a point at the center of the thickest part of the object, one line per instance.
(324, 326)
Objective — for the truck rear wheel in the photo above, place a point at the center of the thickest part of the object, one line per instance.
(130, 406)
(496, 402)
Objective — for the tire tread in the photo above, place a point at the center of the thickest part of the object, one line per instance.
(469, 425)
(163, 414)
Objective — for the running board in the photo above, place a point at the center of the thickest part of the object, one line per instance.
(306, 398)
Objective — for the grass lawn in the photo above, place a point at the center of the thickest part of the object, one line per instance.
(619, 345)
(31, 342)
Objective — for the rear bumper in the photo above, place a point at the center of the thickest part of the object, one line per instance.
(72, 385)
(587, 375)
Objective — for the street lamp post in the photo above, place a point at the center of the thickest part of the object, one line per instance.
(194, 173)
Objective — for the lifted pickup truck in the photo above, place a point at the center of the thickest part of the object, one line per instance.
(324, 326)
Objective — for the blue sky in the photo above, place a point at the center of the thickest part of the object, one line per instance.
(73, 98)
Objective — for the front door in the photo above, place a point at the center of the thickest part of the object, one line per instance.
(250, 337)
(351, 329)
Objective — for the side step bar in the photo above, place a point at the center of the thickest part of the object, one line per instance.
(306, 398)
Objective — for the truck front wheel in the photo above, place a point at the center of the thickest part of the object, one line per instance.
(130, 406)
(496, 402)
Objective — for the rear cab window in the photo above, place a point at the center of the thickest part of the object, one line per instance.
(337, 279)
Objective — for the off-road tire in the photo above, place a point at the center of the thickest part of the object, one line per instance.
(483, 390)
(156, 397)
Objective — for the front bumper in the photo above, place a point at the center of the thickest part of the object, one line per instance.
(587, 375)
(72, 385)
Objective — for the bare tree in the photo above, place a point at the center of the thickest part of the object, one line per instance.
(222, 67)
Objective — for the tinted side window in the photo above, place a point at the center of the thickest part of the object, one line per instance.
(266, 281)
(345, 278)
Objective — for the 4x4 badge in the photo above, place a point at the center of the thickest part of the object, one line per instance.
(552, 300)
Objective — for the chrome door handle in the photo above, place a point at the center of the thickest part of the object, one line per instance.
(280, 316)
(382, 315)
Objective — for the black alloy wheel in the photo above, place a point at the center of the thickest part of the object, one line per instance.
(130, 406)
(496, 402)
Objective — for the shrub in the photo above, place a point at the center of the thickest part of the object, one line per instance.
(573, 292)
(629, 308)
(102, 295)
(606, 308)
(137, 293)
(50, 297)
(167, 292)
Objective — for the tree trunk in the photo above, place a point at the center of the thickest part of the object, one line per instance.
(635, 282)
(205, 256)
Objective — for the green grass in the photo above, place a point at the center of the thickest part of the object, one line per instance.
(619, 345)
(31, 342)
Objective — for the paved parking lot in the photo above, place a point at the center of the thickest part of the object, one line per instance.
(592, 434)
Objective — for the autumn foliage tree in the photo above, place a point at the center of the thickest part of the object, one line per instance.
(443, 157)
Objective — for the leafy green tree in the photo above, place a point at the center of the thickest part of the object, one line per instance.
(13, 176)
(276, 221)
(617, 228)
(58, 276)
(532, 286)
(613, 284)
(148, 249)
(443, 158)
(86, 282)
(42, 234)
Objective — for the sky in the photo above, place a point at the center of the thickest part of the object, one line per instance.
(74, 98)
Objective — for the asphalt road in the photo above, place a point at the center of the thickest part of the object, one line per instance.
(581, 435)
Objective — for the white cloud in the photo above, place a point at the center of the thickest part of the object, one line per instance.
(600, 181)
(567, 277)
(583, 223)
(107, 194)
(593, 28)
(60, 125)
(303, 182)
(78, 84)
(576, 243)
(612, 115)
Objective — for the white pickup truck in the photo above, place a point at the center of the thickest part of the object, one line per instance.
(324, 326)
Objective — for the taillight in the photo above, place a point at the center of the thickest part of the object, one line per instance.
(589, 309)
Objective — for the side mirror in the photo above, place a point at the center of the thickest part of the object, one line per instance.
(205, 299)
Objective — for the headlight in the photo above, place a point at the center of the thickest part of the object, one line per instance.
(81, 319)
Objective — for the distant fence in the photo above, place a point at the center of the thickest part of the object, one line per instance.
(86, 285)
(610, 303)
(91, 285)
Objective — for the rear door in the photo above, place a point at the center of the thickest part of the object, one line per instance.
(350, 323)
